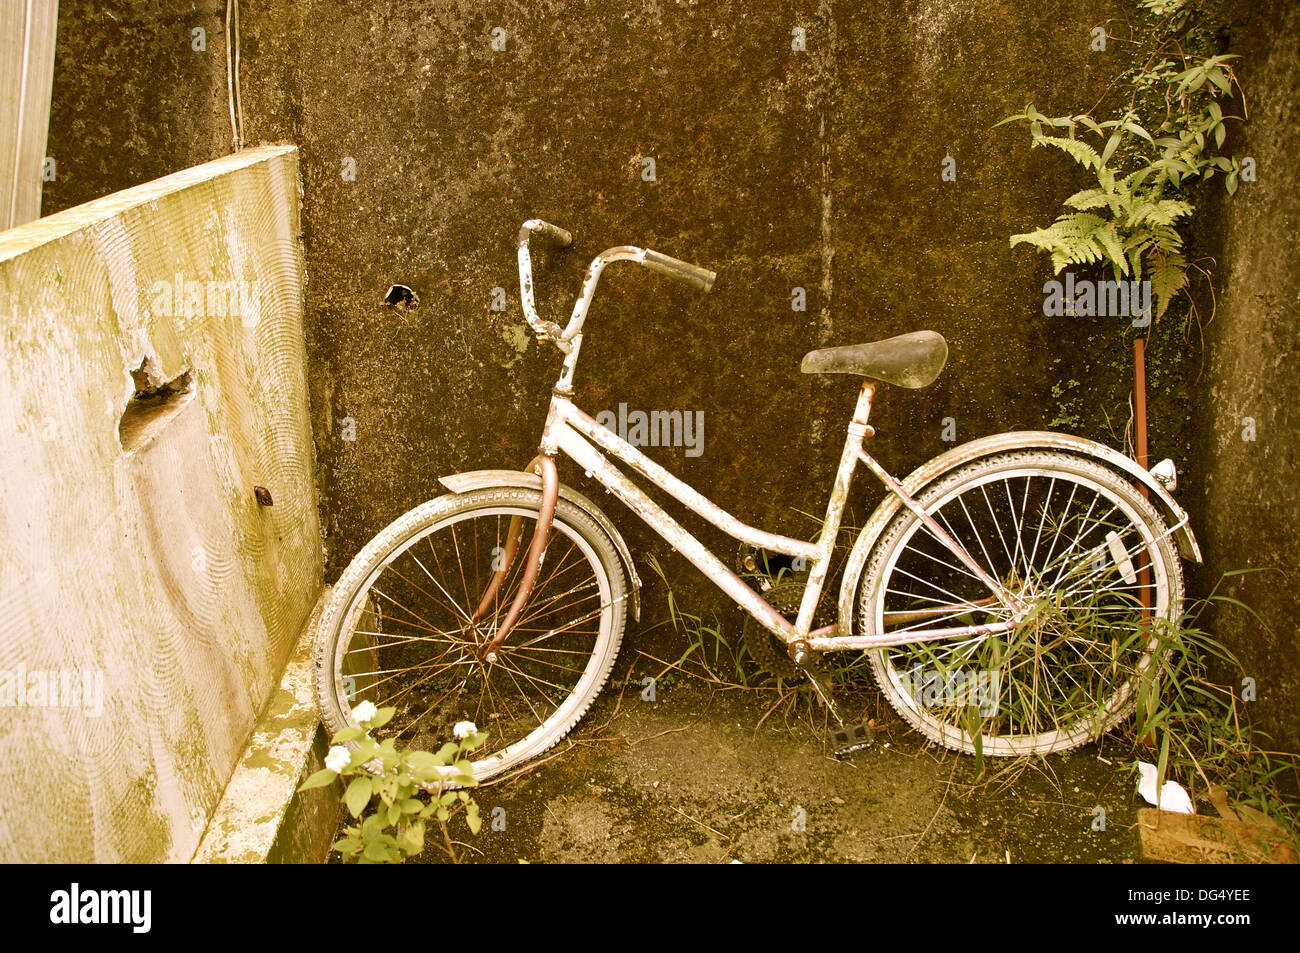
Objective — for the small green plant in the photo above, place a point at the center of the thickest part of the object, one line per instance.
(1166, 138)
(1203, 736)
(394, 795)
(708, 646)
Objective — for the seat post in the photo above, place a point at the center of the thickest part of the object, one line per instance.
(858, 430)
(863, 410)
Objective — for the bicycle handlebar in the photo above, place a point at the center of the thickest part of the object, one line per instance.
(699, 278)
(558, 235)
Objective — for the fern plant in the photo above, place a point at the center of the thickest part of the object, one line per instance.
(1130, 219)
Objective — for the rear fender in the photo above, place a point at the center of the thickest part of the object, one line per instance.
(941, 465)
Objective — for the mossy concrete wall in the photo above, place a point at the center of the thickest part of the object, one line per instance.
(430, 129)
(140, 574)
(1246, 486)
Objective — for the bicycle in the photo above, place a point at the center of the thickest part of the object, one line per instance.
(1042, 560)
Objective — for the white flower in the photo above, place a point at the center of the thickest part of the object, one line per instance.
(364, 712)
(338, 758)
(464, 729)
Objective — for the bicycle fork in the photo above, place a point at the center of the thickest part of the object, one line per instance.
(544, 466)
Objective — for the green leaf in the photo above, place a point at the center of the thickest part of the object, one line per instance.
(472, 818)
(382, 717)
(1017, 117)
(1138, 131)
(318, 780)
(377, 852)
(411, 805)
(412, 840)
(422, 760)
(346, 735)
(1088, 198)
(347, 846)
(1168, 275)
(1163, 764)
(357, 795)
(1089, 122)
(1111, 145)
(1076, 149)
(1110, 242)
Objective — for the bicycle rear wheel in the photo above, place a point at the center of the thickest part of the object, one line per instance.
(401, 628)
(1080, 547)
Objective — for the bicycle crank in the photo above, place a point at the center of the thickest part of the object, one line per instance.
(847, 738)
(768, 651)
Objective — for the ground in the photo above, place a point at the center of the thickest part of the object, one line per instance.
(709, 774)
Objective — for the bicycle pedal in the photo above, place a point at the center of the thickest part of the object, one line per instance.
(850, 738)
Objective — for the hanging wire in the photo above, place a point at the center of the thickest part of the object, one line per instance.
(232, 75)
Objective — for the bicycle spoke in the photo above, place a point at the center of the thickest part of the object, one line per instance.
(413, 645)
(1070, 547)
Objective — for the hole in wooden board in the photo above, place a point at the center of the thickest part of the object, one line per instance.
(155, 402)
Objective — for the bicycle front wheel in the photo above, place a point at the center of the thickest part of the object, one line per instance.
(1093, 568)
(408, 619)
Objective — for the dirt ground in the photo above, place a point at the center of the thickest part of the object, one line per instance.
(713, 774)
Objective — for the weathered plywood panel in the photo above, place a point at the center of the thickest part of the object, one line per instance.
(27, 29)
(150, 568)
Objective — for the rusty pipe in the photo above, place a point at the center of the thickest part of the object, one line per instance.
(533, 565)
(514, 534)
(1140, 446)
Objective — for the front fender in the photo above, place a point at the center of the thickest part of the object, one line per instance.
(484, 479)
(930, 471)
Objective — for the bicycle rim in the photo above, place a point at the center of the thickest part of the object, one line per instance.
(1071, 541)
(411, 638)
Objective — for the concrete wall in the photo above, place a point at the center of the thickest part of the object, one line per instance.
(1246, 490)
(138, 566)
(818, 169)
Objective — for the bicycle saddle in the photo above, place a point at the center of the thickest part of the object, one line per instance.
(908, 360)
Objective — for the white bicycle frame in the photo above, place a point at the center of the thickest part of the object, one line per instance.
(570, 431)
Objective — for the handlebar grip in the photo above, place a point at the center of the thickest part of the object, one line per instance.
(559, 235)
(699, 278)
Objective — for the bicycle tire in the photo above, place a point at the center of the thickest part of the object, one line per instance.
(1059, 650)
(352, 622)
